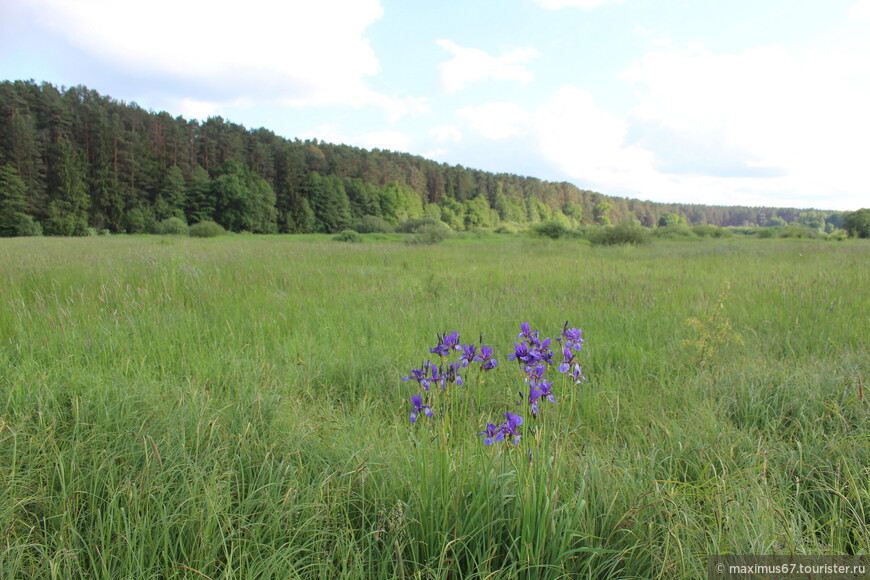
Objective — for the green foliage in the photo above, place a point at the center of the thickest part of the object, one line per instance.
(26, 226)
(476, 213)
(329, 202)
(857, 223)
(674, 232)
(371, 224)
(508, 228)
(710, 231)
(428, 234)
(601, 213)
(622, 234)
(199, 204)
(136, 221)
(171, 227)
(206, 229)
(714, 331)
(350, 236)
(775, 222)
(363, 198)
(669, 220)
(172, 197)
(573, 210)
(413, 226)
(800, 231)
(552, 229)
(243, 200)
(14, 220)
(67, 212)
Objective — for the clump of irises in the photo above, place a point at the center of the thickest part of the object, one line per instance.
(535, 357)
(440, 376)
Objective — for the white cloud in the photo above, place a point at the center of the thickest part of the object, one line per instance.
(391, 140)
(801, 115)
(290, 52)
(470, 65)
(860, 11)
(496, 120)
(436, 153)
(599, 150)
(446, 134)
(328, 132)
(585, 4)
(194, 109)
(570, 132)
(588, 143)
(332, 133)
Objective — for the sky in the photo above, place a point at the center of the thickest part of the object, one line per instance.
(744, 102)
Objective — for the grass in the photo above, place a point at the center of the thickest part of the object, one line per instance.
(232, 408)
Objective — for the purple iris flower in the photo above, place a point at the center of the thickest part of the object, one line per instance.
(544, 390)
(446, 343)
(521, 352)
(469, 354)
(526, 332)
(435, 379)
(533, 396)
(535, 372)
(541, 351)
(568, 359)
(573, 337)
(511, 426)
(452, 375)
(419, 375)
(485, 358)
(492, 433)
(577, 374)
(419, 407)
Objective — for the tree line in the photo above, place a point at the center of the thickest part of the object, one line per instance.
(74, 161)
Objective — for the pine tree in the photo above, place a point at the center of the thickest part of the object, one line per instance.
(14, 220)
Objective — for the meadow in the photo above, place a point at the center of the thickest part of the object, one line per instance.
(234, 407)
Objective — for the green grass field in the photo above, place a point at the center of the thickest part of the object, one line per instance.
(233, 408)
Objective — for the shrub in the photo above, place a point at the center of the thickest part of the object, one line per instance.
(134, 221)
(372, 224)
(709, 231)
(206, 229)
(171, 227)
(417, 225)
(857, 223)
(674, 232)
(508, 228)
(800, 231)
(551, 229)
(27, 227)
(625, 233)
(430, 234)
(348, 236)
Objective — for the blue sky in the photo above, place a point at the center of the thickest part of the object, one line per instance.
(761, 102)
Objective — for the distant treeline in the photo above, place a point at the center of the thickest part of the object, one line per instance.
(72, 160)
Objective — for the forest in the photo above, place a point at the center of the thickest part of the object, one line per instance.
(74, 162)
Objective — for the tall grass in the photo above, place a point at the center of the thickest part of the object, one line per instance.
(232, 408)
